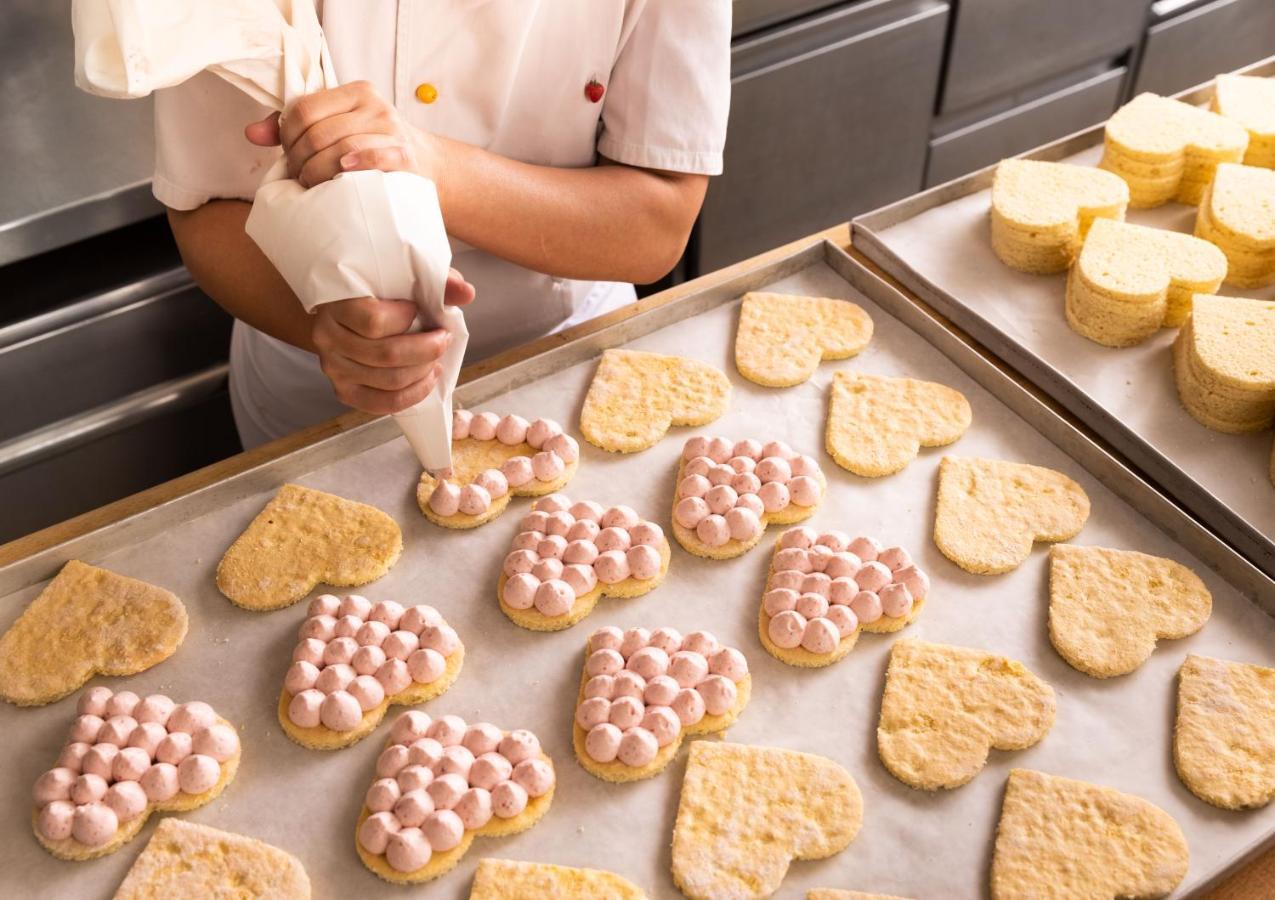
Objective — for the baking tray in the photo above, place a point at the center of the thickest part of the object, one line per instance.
(937, 244)
(913, 843)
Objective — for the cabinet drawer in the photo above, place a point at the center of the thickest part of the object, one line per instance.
(1193, 47)
(829, 117)
(1030, 125)
(998, 45)
(748, 16)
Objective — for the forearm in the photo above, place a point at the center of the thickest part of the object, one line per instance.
(231, 269)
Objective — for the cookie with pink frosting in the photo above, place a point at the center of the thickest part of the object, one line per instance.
(125, 757)
(354, 659)
(825, 588)
(642, 692)
(566, 556)
(495, 458)
(729, 491)
(440, 783)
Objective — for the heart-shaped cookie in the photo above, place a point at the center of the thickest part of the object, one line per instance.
(187, 860)
(355, 658)
(1063, 838)
(945, 707)
(877, 425)
(643, 692)
(990, 511)
(125, 758)
(1107, 608)
(1224, 739)
(636, 397)
(442, 782)
(506, 879)
(566, 556)
(823, 589)
(746, 812)
(87, 621)
(493, 460)
(301, 538)
(1041, 211)
(728, 492)
(782, 338)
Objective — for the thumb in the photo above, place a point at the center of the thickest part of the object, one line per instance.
(264, 133)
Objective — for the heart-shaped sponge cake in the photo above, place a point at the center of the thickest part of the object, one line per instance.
(495, 458)
(1063, 838)
(1224, 739)
(355, 658)
(87, 620)
(643, 692)
(877, 425)
(1249, 100)
(1224, 363)
(125, 758)
(746, 812)
(825, 588)
(566, 556)
(1107, 608)
(507, 879)
(782, 338)
(1235, 216)
(990, 511)
(728, 492)
(187, 860)
(945, 707)
(1041, 211)
(301, 538)
(636, 397)
(442, 782)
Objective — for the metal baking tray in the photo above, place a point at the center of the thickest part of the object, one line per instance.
(1112, 732)
(1245, 517)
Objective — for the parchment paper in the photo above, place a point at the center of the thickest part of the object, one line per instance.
(950, 246)
(916, 844)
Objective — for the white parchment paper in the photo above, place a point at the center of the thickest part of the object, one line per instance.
(916, 844)
(950, 246)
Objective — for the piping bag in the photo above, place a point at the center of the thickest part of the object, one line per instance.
(362, 234)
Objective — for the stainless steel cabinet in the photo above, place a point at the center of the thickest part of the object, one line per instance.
(752, 15)
(1190, 43)
(829, 117)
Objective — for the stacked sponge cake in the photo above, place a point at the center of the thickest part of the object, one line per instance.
(1237, 214)
(1168, 150)
(1129, 280)
(1224, 363)
(1251, 102)
(1041, 211)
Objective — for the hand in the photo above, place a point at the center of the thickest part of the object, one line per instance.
(345, 129)
(372, 363)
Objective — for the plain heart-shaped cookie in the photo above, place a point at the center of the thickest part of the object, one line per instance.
(505, 879)
(301, 538)
(877, 425)
(944, 708)
(747, 812)
(496, 458)
(782, 338)
(989, 512)
(442, 782)
(643, 692)
(1041, 211)
(1063, 838)
(636, 397)
(187, 860)
(1224, 739)
(87, 621)
(125, 758)
(1107, 608)
(354, 659)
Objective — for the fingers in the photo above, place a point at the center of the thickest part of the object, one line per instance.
(372, 318)
(382, 402)
(458, 291)
(264, 133)
(327, 163)
(313, 108)
(392, 158)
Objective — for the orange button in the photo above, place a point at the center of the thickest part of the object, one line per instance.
(426, 92)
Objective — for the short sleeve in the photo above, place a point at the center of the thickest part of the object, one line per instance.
(669, 96)
(201, 153)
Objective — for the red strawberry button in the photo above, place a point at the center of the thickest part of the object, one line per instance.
(594, 90)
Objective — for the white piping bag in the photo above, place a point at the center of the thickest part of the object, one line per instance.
(362, 234)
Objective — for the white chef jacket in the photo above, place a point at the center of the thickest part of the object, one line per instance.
(508, 76)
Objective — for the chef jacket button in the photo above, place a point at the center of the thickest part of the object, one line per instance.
(426, 92)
